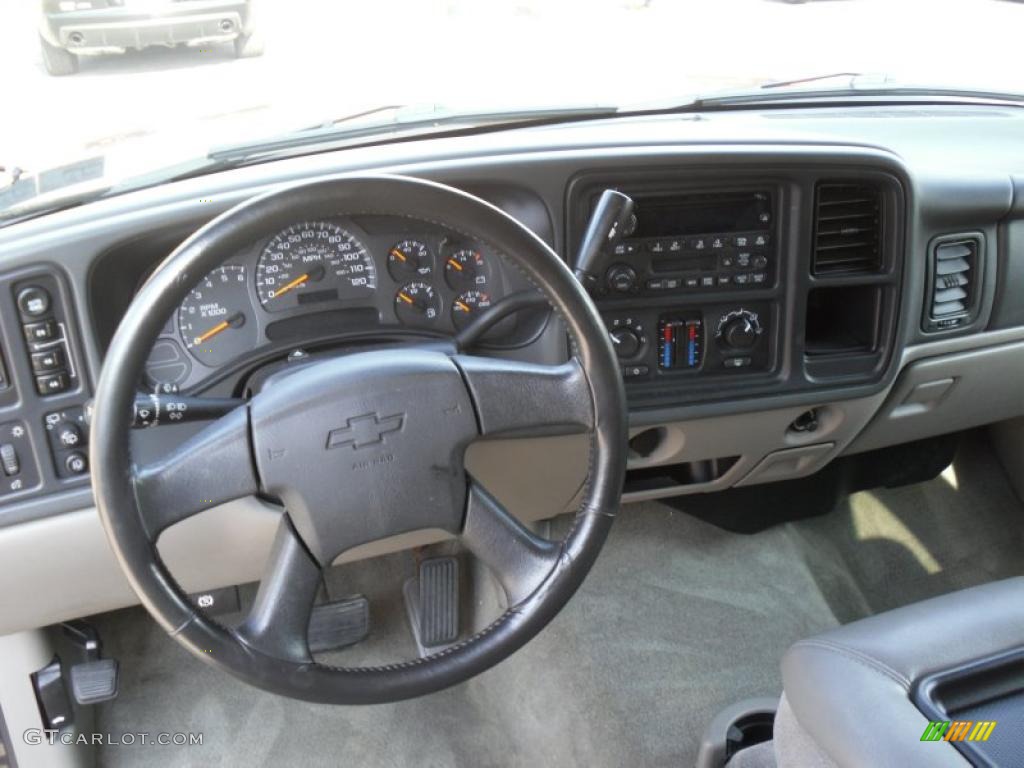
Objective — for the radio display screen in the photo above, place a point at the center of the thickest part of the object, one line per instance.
(703, 213)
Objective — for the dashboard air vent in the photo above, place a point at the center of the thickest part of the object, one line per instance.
(847, 228)
(952, 281)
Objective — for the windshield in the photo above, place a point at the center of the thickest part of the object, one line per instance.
(99, 91)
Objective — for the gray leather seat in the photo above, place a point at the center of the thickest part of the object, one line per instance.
(846, 699)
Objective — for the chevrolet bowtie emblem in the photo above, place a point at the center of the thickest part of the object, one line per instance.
(368, 429)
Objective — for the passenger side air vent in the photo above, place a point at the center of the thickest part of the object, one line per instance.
(952, 282)
(847, 228)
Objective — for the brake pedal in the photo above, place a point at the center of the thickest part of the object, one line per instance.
(432, 603)
(339, 624)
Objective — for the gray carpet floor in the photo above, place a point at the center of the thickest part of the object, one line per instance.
(677, 620)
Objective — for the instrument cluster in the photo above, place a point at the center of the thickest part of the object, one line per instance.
(331, 278)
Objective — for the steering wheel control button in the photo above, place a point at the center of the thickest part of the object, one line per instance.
(45, 362)
(76, 463)
(40, 332)
(33, 301)
(52, 384)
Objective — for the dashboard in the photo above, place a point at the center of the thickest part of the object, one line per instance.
(314, 283)
(795, 285)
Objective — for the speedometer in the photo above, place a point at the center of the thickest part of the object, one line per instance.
(313, 262)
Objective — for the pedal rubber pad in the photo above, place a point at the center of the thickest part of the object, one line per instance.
(94, 681)
(339, 624)
(438, 601)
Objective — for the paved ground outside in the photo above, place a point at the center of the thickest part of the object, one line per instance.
(329, 58)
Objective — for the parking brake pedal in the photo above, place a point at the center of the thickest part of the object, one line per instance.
(432, 603)
(339, 624)
(93, 680)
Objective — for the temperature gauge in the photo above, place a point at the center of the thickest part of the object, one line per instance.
(467, 306)
(417, 304)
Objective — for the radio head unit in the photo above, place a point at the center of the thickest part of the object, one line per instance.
(693, 242)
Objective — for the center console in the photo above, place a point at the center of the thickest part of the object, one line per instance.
(711, 253)
(733, 286)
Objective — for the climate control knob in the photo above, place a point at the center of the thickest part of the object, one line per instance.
(621, 278)
(739, 329)
(626, 342)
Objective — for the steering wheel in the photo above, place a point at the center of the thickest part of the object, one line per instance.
(415, 408)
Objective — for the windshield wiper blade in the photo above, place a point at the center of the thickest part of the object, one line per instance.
(813, 79)
(427, 124)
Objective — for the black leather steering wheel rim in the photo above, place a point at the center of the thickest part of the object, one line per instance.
(122, 490)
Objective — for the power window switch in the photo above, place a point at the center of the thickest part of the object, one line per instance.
(52, 384)
(44, 331)
(44, 362)
(9, 459)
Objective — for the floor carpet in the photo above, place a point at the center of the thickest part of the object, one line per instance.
(677, 620)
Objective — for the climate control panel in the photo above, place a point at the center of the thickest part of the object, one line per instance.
(721, 339)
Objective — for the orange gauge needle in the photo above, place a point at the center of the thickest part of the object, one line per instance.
(463, 306)
(405, 298)
(212, 332)
(399, 254)
(235, 321)
(293, 284)
(455, 264)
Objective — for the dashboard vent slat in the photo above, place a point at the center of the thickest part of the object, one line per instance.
(953, 263)
(847, 228)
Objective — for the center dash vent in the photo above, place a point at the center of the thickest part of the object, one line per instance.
(952, 281)
(847, 228)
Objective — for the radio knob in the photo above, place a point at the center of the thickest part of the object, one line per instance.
(622, 278)
(626, 342)
(739, 330)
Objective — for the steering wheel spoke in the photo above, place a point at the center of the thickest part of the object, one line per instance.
(212, 467)
(517, 399)
(520, 558)
(278, 622)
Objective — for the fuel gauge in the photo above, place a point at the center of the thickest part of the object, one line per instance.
(417, 304)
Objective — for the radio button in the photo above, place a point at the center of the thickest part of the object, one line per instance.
(621, 278)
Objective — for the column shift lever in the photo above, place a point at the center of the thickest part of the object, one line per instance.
(606, 227)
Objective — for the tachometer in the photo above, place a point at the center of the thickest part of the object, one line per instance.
(312, 262)
(215, 319)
